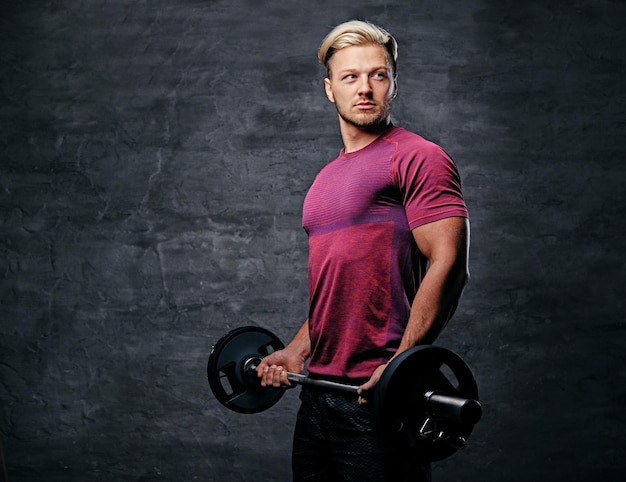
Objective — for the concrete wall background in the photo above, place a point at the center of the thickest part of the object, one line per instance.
(154, 158)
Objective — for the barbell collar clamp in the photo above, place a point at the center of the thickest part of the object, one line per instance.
(463, 410)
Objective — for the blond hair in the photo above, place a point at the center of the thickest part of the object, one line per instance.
(357, 32)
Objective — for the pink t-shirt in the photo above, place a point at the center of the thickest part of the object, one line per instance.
(364, 265)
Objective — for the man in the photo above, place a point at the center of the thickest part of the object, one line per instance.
(388, 253)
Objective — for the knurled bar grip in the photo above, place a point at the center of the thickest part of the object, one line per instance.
(314, 382)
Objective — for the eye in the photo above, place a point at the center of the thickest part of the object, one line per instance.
(380, 75)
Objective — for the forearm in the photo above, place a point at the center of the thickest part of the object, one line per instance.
(434, 304)
(300, 345)
(432, 307)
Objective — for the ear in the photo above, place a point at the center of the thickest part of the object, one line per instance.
(329, 90)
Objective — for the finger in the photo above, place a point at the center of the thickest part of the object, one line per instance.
(364, 396)
(269, 375)
(264, 376)
(285, 379)
(276, 375)
(281, 377)
(366, 387)
(261, 370)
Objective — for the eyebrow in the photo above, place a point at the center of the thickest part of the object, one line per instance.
(349, 71)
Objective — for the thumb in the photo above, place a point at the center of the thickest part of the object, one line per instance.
(368, 385)
(371, 383)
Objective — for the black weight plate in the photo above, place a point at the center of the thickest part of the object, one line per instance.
(399, 401)
(226, 374)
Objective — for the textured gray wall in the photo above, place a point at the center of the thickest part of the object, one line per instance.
(154, 158)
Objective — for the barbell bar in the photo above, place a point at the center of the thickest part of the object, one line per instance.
(463, 410)
(426, 398)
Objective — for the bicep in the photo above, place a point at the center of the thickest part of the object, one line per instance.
(446, 240)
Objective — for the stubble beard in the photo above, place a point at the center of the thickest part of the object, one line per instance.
(367, 121)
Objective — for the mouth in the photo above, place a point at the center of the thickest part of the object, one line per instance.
(365, 105)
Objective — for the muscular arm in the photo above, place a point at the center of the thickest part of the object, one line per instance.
(272, 369)
(445, 244)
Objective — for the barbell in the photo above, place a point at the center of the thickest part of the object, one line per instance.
(426, 398)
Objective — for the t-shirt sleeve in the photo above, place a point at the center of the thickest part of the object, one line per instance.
(430, 185)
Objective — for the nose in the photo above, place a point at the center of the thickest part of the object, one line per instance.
(365, 87)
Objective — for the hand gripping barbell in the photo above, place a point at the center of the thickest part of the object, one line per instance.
(426, 398)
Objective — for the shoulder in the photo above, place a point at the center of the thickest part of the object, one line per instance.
(413, 145)
(417, 154)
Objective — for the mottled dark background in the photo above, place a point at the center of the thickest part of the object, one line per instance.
(154, 159)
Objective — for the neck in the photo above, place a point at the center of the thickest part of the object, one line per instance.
(356, 138)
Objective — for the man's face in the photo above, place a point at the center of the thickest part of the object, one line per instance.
(361, 85)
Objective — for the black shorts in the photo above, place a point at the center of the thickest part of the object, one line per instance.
(336, 440)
